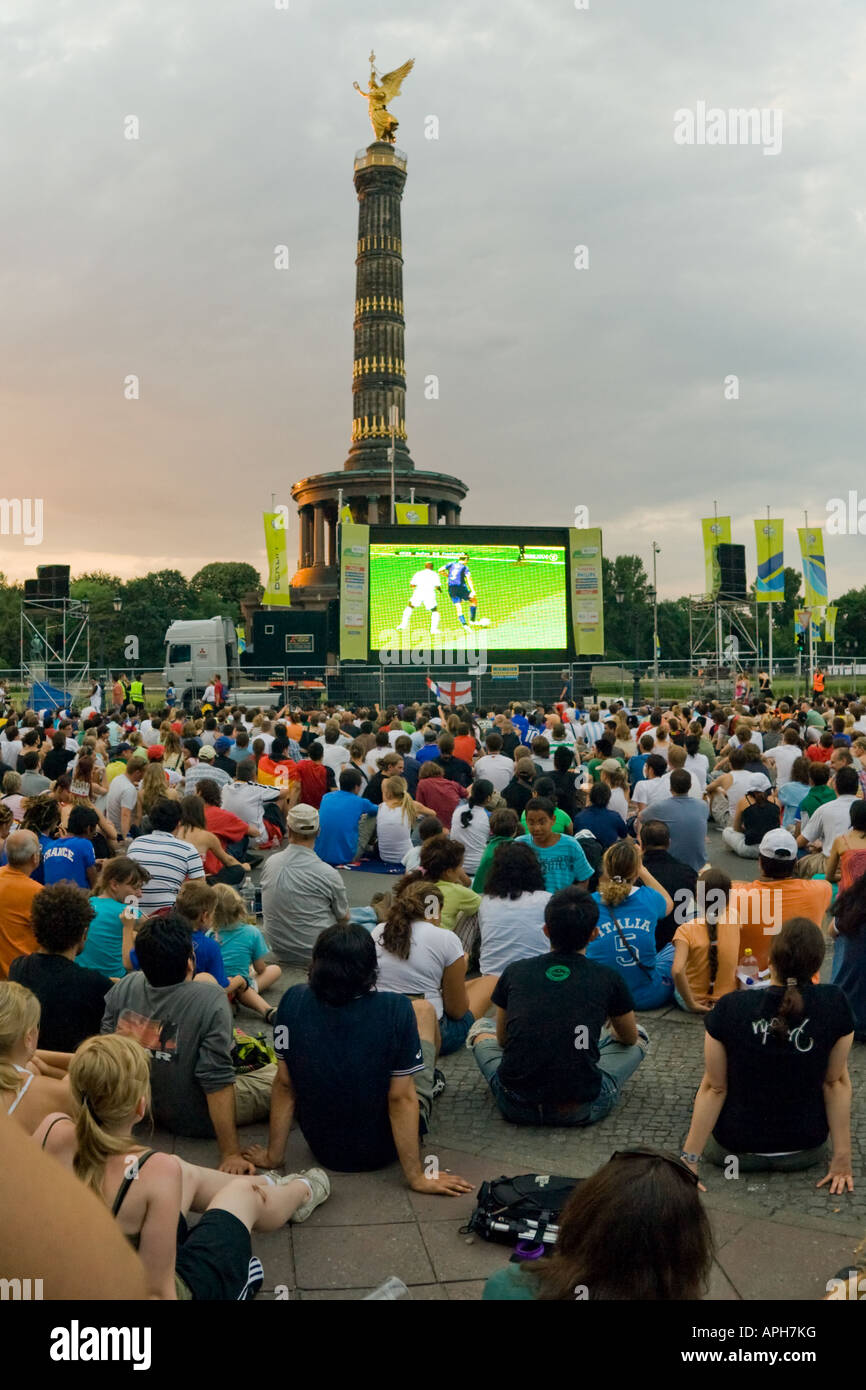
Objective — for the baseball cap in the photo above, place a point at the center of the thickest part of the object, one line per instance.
(778, 844)
(155, 752)
(610, 765)
(304, 819)
(207, 752)
(222, 744)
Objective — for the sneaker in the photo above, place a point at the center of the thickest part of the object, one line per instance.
(481, 1025)
(439, 1083)
(643, 1037)
(319, 1182)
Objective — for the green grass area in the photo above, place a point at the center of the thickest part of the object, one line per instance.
(524, 600)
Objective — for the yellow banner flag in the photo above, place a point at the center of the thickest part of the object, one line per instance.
(346, 514)
(277, 589)
(412, 513)
(770, 584)
(814, 565)
(716, 530)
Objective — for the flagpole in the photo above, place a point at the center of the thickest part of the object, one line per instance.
(770, 616)
(394, 413)
(811, 629)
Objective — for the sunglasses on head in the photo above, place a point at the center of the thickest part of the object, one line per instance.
(641, 1151)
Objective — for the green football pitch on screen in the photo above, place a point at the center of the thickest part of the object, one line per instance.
(519, 595)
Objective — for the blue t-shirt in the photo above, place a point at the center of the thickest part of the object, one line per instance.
(339, 815)
(637, 917)
(208, 957)
(561, 864)
(341, 1061)
(849, 973)
(521, 724)
(457, 572)
(607, 826)
(67, 861)
(103, 949)
(239, 947)
(636, 767)
(427, 754)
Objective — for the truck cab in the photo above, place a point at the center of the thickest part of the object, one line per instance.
(196, 650)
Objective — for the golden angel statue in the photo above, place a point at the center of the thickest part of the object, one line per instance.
(380, 93)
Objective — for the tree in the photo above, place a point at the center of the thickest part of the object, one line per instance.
(627, 625)
(231, 580)
(10, 621)
(149, 605)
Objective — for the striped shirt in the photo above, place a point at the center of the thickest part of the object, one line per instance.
(204, 772)
(168, 861)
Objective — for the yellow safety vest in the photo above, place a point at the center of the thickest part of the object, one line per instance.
(136, 691)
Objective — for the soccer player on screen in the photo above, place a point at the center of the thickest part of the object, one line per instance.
(460, 587)
(425, 585)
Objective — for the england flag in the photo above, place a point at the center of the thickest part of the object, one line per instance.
(451, 692)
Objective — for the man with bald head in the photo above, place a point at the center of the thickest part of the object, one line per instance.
(17, 891)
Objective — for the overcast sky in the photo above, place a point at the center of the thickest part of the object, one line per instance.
(559, 387)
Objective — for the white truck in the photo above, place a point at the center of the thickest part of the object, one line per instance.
(196, 650)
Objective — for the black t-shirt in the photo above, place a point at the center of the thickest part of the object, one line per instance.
(775, 1100)
(516, 794)
(72, 998)
(677, 879)
(56, 763)
(509, 743)
(341, 1061)
(455, 769)
(546, 1000)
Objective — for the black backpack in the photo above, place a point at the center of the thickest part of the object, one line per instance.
(525, 1209)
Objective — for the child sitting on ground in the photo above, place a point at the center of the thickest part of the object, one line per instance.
(243, 949)
(370, 917)
(196, 902)
(427, 827)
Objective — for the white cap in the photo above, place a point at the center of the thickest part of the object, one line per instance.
(778, 844)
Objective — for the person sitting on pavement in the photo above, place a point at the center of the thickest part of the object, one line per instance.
(546, 1058)
(707, 948)
(757, 813)
(631, 903)
(32, 1083)
(511, 915)
(776, 1079)
(562, 859)
(301, 895)
(848, 934)
(679, 880)
(847, 859)
(636, 1230)
(442, 864)
(818, 833)
(341, 814)
(356, 1067)
(606, 825)
(186, 1025)
(152, 1193)
(71, 997)
(416, 957)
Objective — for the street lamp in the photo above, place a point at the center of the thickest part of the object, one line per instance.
(117, 603)
(655, 595)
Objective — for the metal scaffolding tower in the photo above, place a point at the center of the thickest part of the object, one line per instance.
(55, 645)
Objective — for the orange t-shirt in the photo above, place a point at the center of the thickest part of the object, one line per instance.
(763, 906)
(697, 938)
(294, 731)
(464, 747)
(17, 892)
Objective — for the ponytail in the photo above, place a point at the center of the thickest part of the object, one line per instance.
(619, 871)
(414, 897)
(480, 794)
(795, 955)
(108, 1076)
(718, 887)
(395, 788)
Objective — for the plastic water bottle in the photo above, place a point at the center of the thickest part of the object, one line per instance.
(747, 970)
(248, 893)
(392, 1288)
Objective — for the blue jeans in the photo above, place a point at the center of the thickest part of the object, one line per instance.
(616, 1061)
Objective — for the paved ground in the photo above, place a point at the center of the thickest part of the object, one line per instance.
(777, 1236)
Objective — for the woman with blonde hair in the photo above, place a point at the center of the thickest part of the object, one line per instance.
(630, 903)
(26, 1093)
(150, 1194)
(173, 759)
(396, 819)
(418, 957)
(151, 789)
